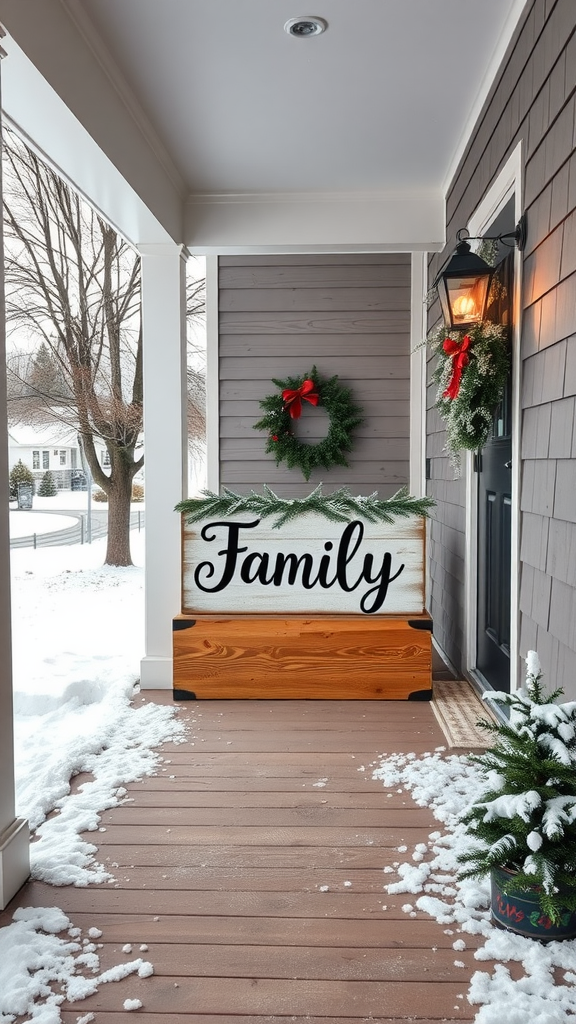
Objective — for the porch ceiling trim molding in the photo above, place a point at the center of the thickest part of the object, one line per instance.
(300, 222)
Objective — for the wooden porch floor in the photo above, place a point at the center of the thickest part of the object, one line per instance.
(221, 864)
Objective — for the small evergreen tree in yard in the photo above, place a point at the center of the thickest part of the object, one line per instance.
(526, 819)
(47, 487)
(19, 474)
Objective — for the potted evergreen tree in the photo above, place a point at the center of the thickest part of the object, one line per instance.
(523, 826)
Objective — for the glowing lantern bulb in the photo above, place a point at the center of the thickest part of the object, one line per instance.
(464, 307)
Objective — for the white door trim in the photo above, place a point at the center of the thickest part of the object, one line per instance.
(418, 374)
(508, 183)
(212, 377)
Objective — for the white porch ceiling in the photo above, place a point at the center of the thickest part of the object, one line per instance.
(380, 101)
(234, 136)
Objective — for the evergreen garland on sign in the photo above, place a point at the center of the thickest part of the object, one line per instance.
(526, 820)
(338, 507)
(285, 406)
(471, 375)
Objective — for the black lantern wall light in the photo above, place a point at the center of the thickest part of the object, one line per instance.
(463, 285)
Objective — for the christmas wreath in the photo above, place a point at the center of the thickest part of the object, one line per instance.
(471, 375)
(285, 406)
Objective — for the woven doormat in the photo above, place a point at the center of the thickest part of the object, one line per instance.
(457, 709)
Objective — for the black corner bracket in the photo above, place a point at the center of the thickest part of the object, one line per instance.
(421, 624)
(183, 695)
(182, 624)
(420, 695)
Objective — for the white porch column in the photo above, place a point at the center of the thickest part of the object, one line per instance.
(14, 836)
(165, 444)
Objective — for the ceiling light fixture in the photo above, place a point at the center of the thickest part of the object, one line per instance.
(305, 26)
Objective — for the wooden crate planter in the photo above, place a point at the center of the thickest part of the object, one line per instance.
(312, 610)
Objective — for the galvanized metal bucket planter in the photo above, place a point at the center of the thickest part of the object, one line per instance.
(521, 913)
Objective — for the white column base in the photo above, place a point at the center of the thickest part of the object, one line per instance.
(14, 859)
(156, 673)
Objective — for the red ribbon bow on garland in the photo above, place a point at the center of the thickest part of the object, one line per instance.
(458, 350)
(293, 399)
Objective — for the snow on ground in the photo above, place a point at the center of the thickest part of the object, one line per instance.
(39, 967)
(23, 524)
(77, 641)
(73, 501)
(546, 991)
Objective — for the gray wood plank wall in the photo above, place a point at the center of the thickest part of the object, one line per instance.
(348, 315)
(533, 99)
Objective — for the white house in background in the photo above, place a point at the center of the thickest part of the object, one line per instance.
(52, 447)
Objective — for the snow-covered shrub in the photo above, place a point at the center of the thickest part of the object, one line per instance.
(20, 474)
(47, 488)
(525, 819)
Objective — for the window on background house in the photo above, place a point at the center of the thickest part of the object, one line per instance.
(45, 460)
(35, 460)
(62, 458)
(105, 457)
(55, 451)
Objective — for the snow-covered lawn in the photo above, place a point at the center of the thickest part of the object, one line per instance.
(23, 524)
(78, 638)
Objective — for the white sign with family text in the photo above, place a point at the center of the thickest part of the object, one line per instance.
(310, 566)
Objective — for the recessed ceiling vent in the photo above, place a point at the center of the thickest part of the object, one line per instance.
(306, 26)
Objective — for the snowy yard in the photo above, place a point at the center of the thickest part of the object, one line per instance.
(78, 637)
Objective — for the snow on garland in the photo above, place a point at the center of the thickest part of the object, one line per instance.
(338, 507)
(285, 406)
(471, 375)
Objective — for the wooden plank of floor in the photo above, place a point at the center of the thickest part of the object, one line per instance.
(167, 796)
(153, 901)
(71, 1017)
(303, 835)
(348, 858)
(304, 962)
(260, 997)
(219, 871)
(247, 879)
(367, 933)
(322, 815)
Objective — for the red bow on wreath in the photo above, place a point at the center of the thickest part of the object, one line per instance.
(460, 358)
(293, 399)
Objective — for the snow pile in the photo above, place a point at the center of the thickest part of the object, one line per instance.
(450, 785)
(115, 748)
(39, 969)
(73, 689)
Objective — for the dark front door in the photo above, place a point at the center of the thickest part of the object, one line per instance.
(493, 465)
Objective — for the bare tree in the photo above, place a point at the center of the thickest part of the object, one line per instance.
(74, 286)
(196, 370)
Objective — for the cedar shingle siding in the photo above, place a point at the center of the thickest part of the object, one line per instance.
(348, 315)
(533, 99)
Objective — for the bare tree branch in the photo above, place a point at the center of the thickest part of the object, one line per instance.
(74, 286)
